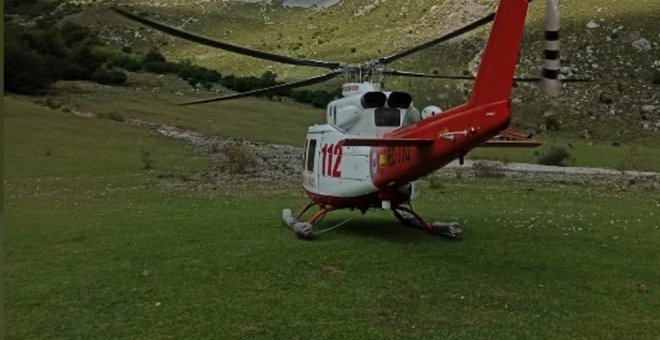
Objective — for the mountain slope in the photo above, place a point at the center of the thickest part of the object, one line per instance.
(614, 43)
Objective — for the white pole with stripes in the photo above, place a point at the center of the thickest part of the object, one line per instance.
(550, 84)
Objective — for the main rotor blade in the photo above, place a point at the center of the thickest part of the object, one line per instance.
(438, 76)
(424, 75)
(222, 45)
(448, 36)
(564, 80)
(309, 81)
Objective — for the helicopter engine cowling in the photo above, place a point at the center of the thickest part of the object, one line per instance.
(347, 117)
(370, 114)
(399, 100)
(346, 112)
(373, 100)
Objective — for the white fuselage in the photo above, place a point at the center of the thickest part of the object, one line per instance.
(333, 170)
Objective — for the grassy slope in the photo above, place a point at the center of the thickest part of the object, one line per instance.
(156, 99)
(285, 122)
(393, 26)
(98, 247)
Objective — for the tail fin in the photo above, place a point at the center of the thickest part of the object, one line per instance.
(498, 63)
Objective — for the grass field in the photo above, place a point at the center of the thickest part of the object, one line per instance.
(98, 247)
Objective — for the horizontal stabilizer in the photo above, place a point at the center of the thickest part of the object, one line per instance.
(511, 144)
(515, 134)
(387, 142)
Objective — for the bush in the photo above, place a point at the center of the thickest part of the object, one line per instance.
(238, 158)
(197, 74)
(133, 65)
(656, 77)
(156, 67)
(436, 182)
(318, 98)
(147, 161)
(28, 72)
(74, 34)
(109, 77)
(488, 169)
(605, 98)
(113, 116)
(552, 123)
(74, 71)
(207, 85)
(41, 55)
(154, 55)
(556, 155)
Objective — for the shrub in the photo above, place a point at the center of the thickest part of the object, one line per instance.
(197, 74)
(147, 161)
(28, 72)
(133, 65)
(154, 55)
(435, 182)
(488, 169)
(86, 57)
(238, 158)
(74, 34)
(207, 85)
(156, 67)
(605, 98)
(552, 123)
(119, 60)
(114, 116)
(318, 98)
(656, 77)
(109, 77)
(74, 71)
(556, 155)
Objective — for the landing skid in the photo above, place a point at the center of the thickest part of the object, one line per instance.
(304, 230)
(410, 218)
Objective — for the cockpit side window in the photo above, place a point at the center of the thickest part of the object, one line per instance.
(311, 152)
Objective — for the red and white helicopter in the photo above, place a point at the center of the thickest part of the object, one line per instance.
(375, 144)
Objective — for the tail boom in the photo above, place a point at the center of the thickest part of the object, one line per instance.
(454, 136)
(462, 128)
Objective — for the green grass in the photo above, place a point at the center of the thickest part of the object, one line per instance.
(255, 119)
(626, 157)
(97, 247)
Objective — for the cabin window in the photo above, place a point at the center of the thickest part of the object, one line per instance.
(387, 117)
(311, 151)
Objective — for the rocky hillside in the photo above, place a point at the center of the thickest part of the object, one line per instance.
(615, 43)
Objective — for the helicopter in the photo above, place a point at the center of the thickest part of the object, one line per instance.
(375, 144)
